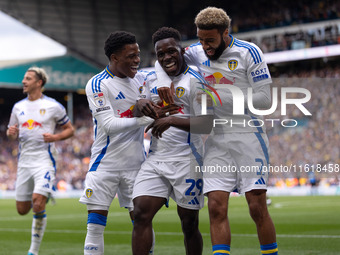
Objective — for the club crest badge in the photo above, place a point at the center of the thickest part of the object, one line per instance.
(88, 193)
(232, 64)
(42, 112)
(180, 92)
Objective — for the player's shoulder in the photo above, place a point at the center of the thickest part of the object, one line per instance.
(144, 72)
(21, 102)
(143, 75)
(141, 79)
(194, 46)
(20, 105)
(194, 49)
(194, 75)
(95, 83)
(46, 100)
(149, 76)
(247, 48)
(243, 44)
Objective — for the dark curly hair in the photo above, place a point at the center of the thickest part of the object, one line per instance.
(116, 42)
(166, 32)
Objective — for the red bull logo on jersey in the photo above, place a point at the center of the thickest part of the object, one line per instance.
(180, 92)
(127, 114)
(30, 124)
(88, 193)
(218, 78)
(232, 64)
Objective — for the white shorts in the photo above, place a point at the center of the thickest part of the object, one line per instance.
(177, 180)
(234, 162)
(34, 180)
(101, 188)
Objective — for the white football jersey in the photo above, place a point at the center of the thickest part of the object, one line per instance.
(34, 118)
(109, 95)
(176, 144)
(242, 65)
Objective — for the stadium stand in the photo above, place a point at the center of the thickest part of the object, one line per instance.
(82, 26)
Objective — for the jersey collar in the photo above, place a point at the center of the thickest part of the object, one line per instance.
(109, 72)
(186, 69)
(232, 41)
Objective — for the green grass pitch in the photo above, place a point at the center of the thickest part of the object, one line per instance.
(304, 225)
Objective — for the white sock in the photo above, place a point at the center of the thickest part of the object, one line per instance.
(153, 242)
(94, 241)
(38, 228)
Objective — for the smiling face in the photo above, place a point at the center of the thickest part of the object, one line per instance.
(213, 42)
(170, 56)
(127, 61)
(31, 82)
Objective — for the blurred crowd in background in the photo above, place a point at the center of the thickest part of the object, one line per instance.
(315, 141)
(257, 15)
(250, 21)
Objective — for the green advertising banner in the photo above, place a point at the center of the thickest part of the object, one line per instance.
(65, 73)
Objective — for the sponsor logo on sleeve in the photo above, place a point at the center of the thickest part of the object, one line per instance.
(103, 109)
(99, 99)
(260, 75)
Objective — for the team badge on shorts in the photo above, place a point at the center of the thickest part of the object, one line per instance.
(232, 64)
(180, 92)
(140, 89)
(88, 193)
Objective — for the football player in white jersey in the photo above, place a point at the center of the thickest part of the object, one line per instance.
(33, 121)
(118, 150)
(169, 170)
(240, 142)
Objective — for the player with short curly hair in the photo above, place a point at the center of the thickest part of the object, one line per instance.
(116, 41)
(164, 33)
(118, 148)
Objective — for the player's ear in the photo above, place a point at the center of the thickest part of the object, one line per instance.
(40, 82)
(225, 34)
(114, 58)
(182, 51)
